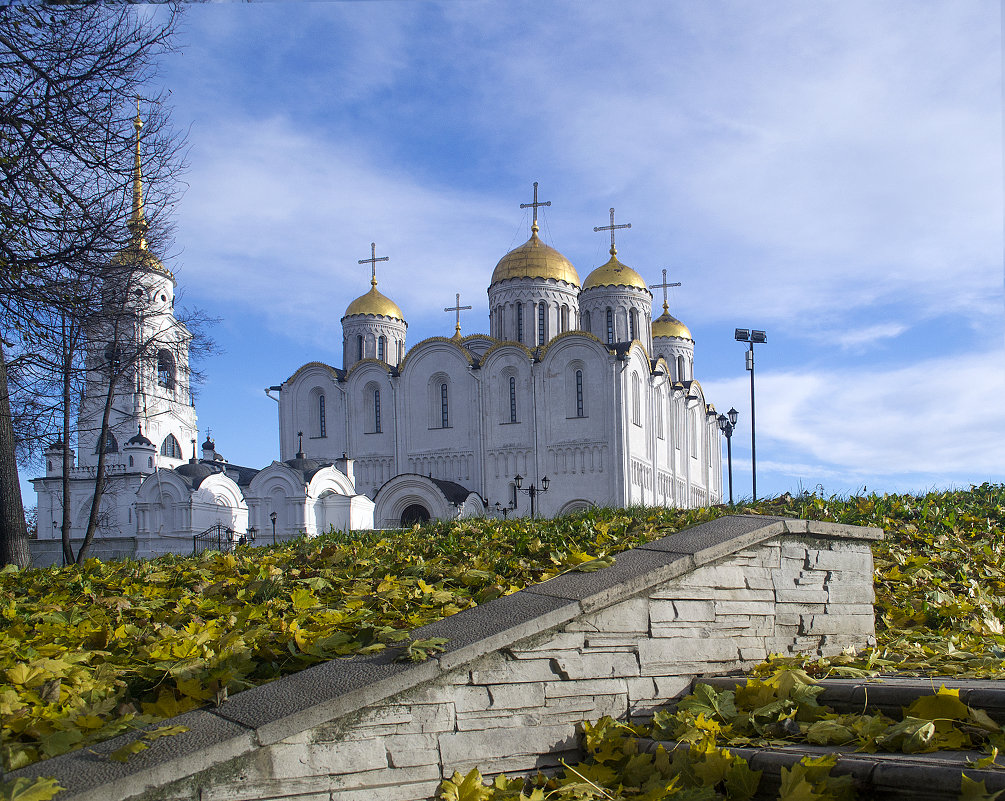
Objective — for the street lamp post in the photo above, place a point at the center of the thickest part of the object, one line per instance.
(504, 510)
(753, 337)
(532, 491)
(272, 517)
(726, 426)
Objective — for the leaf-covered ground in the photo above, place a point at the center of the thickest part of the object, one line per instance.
(88, 652)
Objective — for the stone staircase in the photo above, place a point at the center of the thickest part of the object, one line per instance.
(932, 776)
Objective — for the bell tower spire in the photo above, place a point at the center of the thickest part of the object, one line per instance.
(137, 220)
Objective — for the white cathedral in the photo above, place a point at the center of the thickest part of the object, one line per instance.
(576, 397)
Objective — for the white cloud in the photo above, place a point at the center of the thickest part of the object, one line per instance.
(928, 420)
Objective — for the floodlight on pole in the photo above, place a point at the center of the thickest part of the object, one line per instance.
(753, 337)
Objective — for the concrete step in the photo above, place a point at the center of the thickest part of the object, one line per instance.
(890, 694)
(926, 777)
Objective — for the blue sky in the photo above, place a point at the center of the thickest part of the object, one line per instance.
(830, 173)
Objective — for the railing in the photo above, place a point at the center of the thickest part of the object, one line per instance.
(226, 539)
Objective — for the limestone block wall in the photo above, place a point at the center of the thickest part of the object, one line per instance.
(518, 674)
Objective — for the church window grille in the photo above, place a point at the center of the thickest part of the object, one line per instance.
(359, 347)
(512, 399)
(579, 394)
(165, 369)
(376, 411)
(586, 321)
(381, 348)
(631, 325)
(636, 400)
(170, 447)
(444, 407)
(542, 316)
(111, 444)
(610, 326)
(519, 322)
(321, 417)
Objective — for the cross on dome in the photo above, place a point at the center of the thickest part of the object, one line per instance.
(458, 308)
(534, 205)
(664, 287)
(372, 261)
(612, 228)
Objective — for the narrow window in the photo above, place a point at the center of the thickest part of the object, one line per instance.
(401, 351)
(130, 461)
(586, 321)
(322, 432)
(444, 411)
(111, 445)
(610, 327)
(359, 347)
(376, 411)
(165, 369)
(636, 401)
(542, 313)
(631, 325)
(381, 347)
(680, 368)
(170, 447)
(512, 399)
(519, 322)
(564, 324)
(579, 393)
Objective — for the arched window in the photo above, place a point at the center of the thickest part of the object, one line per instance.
(636, 400)
(632, 324)
(512, 399)
(610, 326)
(680, 368)
(111, 445)
(580, 409)
(165, 369)
(318, 416)
(359, 347)
(130, 461)
(519, 322)
(444, 407)
(170, 447)
(542, 319)
(401, 351)
(586, 321)
(376, 411)
(381, 348)
(563, 320)
(113, 359)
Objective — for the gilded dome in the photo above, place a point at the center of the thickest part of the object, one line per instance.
(614, 273)
(666, 325)
(376, 304)
(534, 259)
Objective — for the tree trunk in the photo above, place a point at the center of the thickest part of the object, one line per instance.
(13, 530)
(99, 475)
(67, 521)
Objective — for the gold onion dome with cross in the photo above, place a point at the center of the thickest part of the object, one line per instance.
(373, 303)
(614, 273)
(534, 259)
(666, 325)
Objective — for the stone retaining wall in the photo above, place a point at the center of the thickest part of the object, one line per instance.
(517, 675)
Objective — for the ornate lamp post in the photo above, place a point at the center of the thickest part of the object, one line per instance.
(758, 337)
(272, 517)
(504, 510)
(532, 491)
(726, 426)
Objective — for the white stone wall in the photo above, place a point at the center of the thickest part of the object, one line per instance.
(734, 591)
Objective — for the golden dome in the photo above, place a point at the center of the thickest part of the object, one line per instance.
(374, 303)
(666, 325)
(137, 256)
(614, 273)
(534, 259)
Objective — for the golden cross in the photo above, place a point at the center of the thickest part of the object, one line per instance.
(612, 228)
(372, 261)
(664, 286)
(457, 308)
(535, 204)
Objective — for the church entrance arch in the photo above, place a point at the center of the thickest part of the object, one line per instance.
(413, 515)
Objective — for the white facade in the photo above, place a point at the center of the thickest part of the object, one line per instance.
(575, 382)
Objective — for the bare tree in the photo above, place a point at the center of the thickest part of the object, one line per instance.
(71, 79)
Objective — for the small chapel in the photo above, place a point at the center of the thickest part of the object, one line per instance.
(576, 397)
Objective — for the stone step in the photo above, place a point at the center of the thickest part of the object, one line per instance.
(890, 694)
(925, 777)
